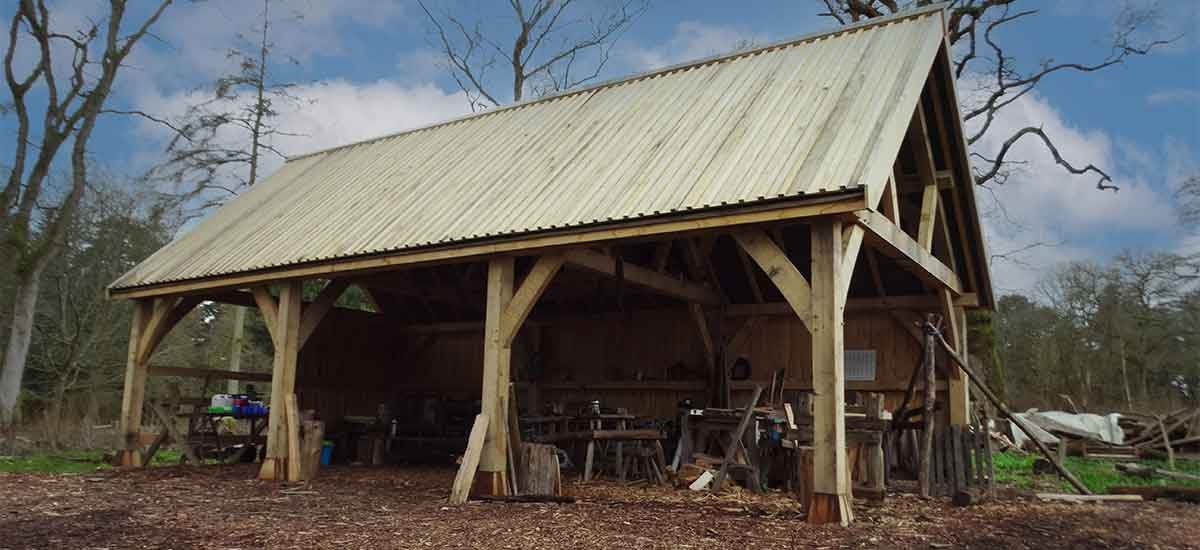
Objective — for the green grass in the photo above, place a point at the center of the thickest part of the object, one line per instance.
(1097, 474)
(72, 462)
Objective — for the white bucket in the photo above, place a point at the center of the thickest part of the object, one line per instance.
(222, 401)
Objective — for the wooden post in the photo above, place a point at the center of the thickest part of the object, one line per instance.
(235, 346)
(291, 413)
(959, 386)
(876, 469)
(152, 320)
(496, 358)
(283, 377)
(831, 499)
(924, 475)
(135, 387)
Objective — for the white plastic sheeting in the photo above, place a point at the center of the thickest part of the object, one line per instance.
(1090, 426)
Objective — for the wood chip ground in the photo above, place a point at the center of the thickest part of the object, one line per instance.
(225, 507)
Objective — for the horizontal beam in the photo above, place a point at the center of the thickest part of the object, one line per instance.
(189, 372)
(769, 309)
(246, 299)
(918, 303)
(601, 435)
(893, 242)
(643, 277)
(840, 203)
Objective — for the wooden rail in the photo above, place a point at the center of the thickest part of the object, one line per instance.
(189, 372)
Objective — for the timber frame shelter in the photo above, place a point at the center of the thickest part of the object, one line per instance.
(801, 181)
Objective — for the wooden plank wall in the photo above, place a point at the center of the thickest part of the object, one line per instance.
(646, 361)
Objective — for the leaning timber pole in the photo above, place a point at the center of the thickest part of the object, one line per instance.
(1004, 410)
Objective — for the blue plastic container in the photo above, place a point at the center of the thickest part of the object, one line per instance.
(326, 452)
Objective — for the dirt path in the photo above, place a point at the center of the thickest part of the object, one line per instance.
(225, 507)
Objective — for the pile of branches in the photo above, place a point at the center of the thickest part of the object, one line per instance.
(1178, 431)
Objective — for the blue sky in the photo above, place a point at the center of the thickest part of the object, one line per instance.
(367, 68)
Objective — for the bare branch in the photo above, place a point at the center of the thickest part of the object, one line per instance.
(1104, 183)
(460, 58)
(547, 52)
(978, 22)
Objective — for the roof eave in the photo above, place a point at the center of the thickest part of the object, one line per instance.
(838, 201)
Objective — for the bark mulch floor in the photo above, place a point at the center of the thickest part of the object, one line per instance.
(225, 507)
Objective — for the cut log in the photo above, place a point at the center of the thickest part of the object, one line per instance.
(1183, 494)
(527, 498)
(1042, 466)
(311, 440)
(539, 469)
(1150, 471)
(1068, 497)
(968, 496)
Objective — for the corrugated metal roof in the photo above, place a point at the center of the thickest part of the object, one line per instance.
(791, 119)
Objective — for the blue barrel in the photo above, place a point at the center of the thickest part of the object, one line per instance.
(326, 452)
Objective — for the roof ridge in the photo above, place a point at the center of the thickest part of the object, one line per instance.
(810, 37)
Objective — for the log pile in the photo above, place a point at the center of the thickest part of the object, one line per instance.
(1166, 434)
(1145, 436)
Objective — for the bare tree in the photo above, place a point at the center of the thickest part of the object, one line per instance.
(79, 334)
(973, 27)
(1189, 201)
(218, 145)
(32, 220)
(559, 44)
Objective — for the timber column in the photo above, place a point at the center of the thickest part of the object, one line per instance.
(497, 356)
(283, 320)
(135, 387)
(831, 499)
(959, 386)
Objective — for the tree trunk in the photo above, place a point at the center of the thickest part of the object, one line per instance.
(1125, 376)
(1145, 384)
(54, 413)
(91, 415)
(15, 353)
(1085, 381)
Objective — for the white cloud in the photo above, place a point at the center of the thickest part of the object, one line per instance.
(1174, 96)
(196, 37)
(343, 112)
(1042, 203)
(330, 113)
(690, 40)
(192, 50)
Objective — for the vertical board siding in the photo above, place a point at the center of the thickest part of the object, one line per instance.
(355, 361)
